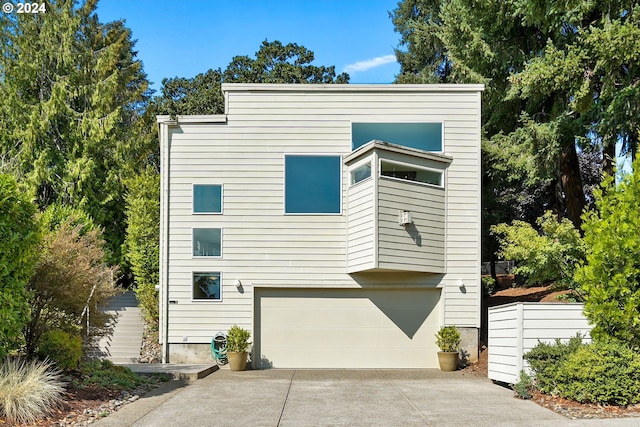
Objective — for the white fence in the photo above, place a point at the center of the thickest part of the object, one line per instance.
(516, 328)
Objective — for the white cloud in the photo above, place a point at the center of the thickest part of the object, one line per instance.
(369, 63)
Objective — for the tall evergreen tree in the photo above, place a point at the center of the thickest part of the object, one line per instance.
(561, 77)
(77, 97)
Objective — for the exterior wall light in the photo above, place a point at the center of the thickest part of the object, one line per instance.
(404, 218)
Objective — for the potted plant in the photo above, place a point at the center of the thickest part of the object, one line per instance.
(448, 339)
(237, 345)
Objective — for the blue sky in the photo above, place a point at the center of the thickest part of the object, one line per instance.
(184, 38)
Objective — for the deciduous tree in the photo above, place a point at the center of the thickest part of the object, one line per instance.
(273, 63)
(70, 283)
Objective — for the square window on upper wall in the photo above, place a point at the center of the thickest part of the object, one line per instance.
(207, 199)
(206, 286)
(422, 136)
(312, 184)
(207, 242)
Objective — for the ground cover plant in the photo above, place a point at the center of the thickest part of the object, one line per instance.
(103, 373)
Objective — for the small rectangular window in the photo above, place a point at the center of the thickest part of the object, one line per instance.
(207, 199)
(207, 242)
(422, 136)
(312, 184)
(206, 286)
(361, 173)
(410, 173)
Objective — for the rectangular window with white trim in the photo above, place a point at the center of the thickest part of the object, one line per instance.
(407, 172)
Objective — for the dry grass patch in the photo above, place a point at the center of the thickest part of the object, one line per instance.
(28, 390)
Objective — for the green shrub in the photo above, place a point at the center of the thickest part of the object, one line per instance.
(63, 348)
(28, 390)
(525, 386)
(19, 237)
(545, 360)
(141, 244)
(448, 339)
(610, 278)
(602, 372)
(488, 285)
(58, 214)
(238, 339)
(550, 254)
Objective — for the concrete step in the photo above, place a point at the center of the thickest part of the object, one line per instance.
(118, 360)
(123, 345)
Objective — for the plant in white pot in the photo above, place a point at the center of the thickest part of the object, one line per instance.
(448, 339)
(237, 346)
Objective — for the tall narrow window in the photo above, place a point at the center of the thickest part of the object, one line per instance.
(207, 242)
(207, 199)
(312, 184)
(423, 136)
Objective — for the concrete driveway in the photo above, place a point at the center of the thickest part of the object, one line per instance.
(339, 398)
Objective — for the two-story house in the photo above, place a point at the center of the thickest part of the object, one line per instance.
(340, 224)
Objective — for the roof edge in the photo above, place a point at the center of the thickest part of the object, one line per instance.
(376, 144)
(203, 118)
(298, 87)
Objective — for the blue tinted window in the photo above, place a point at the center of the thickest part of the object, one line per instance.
(206, 241)
(312, 184)
(423, 136)
(207, 198)
(361, 173)
(207, 286)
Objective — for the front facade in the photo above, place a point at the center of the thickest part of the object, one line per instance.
(340, 224)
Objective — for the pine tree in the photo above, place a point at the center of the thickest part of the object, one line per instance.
(77, 97)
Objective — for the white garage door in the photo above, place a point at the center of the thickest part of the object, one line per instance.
(354, 328)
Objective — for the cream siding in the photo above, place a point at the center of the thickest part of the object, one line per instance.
(420, 245)
(515, 329)
(263, 247)
(361, 227)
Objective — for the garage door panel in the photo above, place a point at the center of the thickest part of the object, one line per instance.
(299, 328)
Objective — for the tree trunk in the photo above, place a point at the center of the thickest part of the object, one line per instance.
(571, 184)
(608, 159)
(633, 144)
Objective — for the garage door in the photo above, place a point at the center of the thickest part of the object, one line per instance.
(354, 328)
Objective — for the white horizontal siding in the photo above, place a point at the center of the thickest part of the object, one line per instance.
(503, 343)
(397, 245)
(360, 227)
(261, 245)
(515, 329)
(462, 143)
